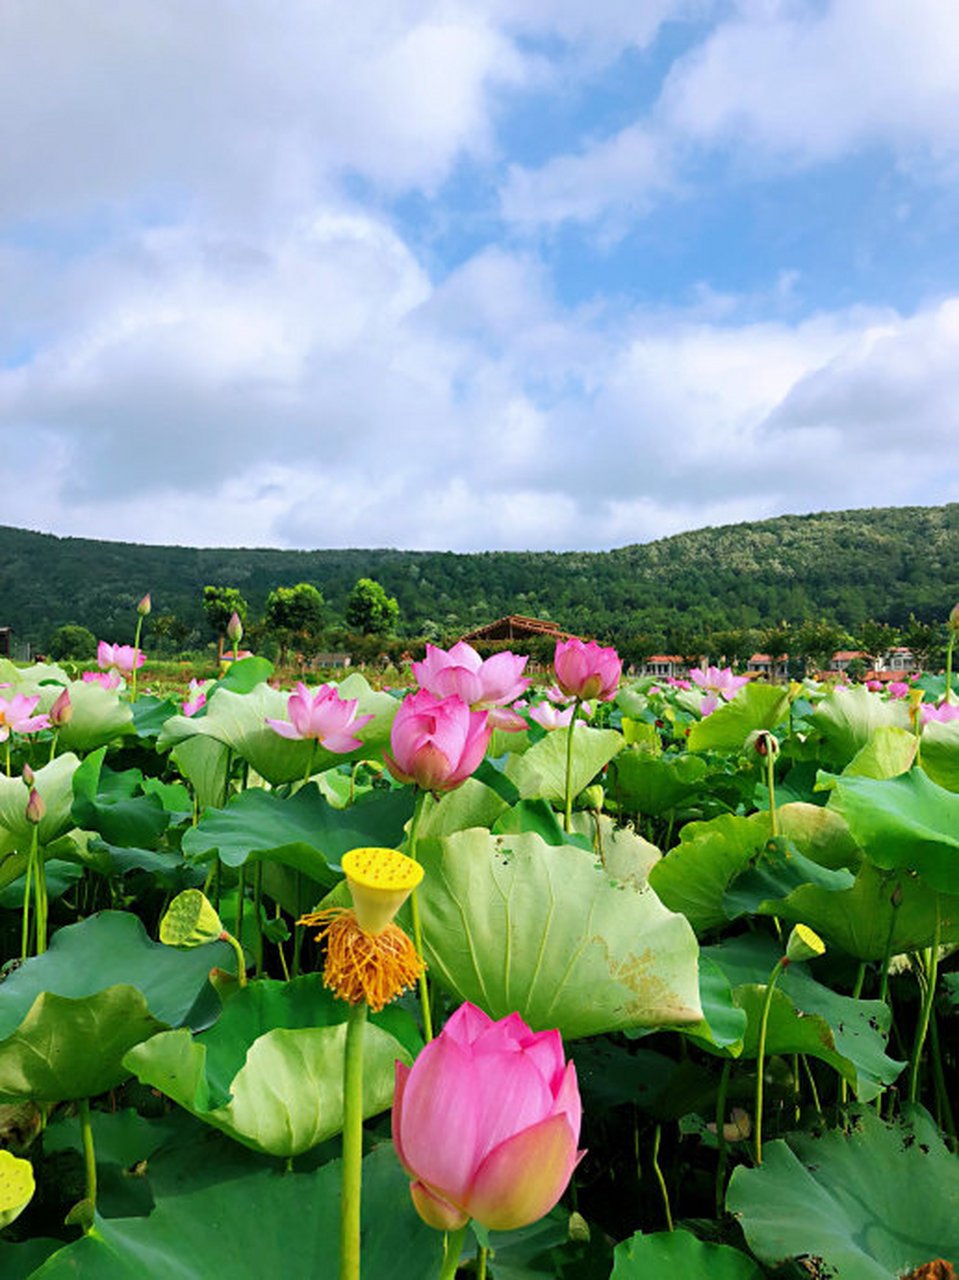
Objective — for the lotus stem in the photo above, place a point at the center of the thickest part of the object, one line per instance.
(721, 1135)
(931, 966)
(136, 654)
(451, 1252)
(89, 1160)
(417, 925)
(568, 812)
(481, 1262)
(257, 906)
(771, 787)
(660, 1179)
(351, 1186)
(761, 1054)
(226, 936)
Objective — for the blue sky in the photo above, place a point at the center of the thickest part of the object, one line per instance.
(467, 275)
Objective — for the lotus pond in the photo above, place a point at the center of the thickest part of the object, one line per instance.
(606, 979)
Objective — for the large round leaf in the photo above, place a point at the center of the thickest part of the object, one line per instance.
(68, 1017)
(512, 923)
(757, 706)
(98, 715)
(540, 772)
(270, 1071)
(876, 1202)
(664, 1255)
(258, 1225)
(54, 782)
(642, 783)
(847, 719)
(238, 720)
(694, 876)
(940, 752)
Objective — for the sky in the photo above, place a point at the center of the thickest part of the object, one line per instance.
(474, 274)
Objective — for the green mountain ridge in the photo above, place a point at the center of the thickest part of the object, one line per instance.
(843, 566)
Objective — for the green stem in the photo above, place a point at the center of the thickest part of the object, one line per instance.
(771, 787)
(761, 1055)
(40, 897)
(931, 968)
(951, 642)
(28, 885)
(418, 807)
(53, 744)
(812, 1084)
(568, 813)
(452, 1250)
(721, 1136)
(946, 1118)
(481, 1262)
(136, 654)
(309, 766)
(89, 1158)
(8, 754)
(299, 932)
(896, 903)
(257, 907)
(660, 1179)
(226, 936)
(240, 900)
(351, 1184)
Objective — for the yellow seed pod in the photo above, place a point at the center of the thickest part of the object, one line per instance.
(190, 921)
(804, 944)
(16, 1186)
(380, 881)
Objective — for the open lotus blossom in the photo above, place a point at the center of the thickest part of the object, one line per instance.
(16, 716)
(677, 682)
(548, 716)
(719, 681)
(195, 698)
(485, 684)
(107, 679)
(586, 669)
(874, 686)
(944, 712)
(898, 689)
(486, 1122)
(436, 742)
(322, 715)
(119, 657)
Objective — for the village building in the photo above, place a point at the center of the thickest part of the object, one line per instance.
(665, 666)
(765, 665)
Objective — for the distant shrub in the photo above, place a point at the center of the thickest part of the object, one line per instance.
(72, 641)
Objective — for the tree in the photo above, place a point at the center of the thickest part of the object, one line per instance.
(72, 641)
(219, 605)
(370, 610)
(818, 641)
(294, 614)
(876, 639)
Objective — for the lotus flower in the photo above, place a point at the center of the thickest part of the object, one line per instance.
(16, 716)
(549, 716)
(119, 657)
(944, 712)
(486, 1122)
(719, 681)
(898, 689)
(107, 679)
(488, 685)
(436, 742)
(323, 715)
(195, 698)
(587, 670)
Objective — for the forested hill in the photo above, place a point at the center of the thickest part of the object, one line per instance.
(843, 566)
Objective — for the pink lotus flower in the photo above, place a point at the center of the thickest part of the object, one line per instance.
(323, 715)
(898, 689)
(195, 698)
(548, 716)
(486, 1123)
(119, 657)
(488, 685)
(944, 712)
(708, 705)
(587, 670)
(719, 681)
(16, 716)
(108, 679)
(676, 682)
(874, 686)
(436, 742)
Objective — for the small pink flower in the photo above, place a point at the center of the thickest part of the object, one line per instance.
(718, 680)
(587, 670)
(874, 686)
(119, 657)
(460, 671)
(898, 689)
(324, 716)
(108, 679)
(195, 698)
(676, 682)
(16, 716)
(486, 1123)
(436, 742)
(550, 717)
(944, 712)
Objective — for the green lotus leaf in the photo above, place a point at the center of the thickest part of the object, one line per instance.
(664, 1255)
(641, 783)
(303, 831)
(108, 803)
(940, 752)
(846, 720)
(260, 1223)
(819, 833)
(888, 752)
(512, 923)
(776, 871)
(474, 804)
(68, 1017)
(270, 1072)
(724, 1022)
(540, 772)
(98, 715)
(875, 1202)
(694, 875)
(203, 762)
(626, 855)
(238, 720)
(54, 782)
(806, 1016)
(906, 823)
(756, 706)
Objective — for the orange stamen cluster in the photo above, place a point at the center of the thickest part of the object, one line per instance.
(363, 966)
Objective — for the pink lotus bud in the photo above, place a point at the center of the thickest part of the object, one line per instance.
(234, 628)
(36, 809)
(486, 1123)
(953, 622)
(436, 742)
(28, 775)
(587, 670)
(323, 715)
(145, 605)
(61, 712)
